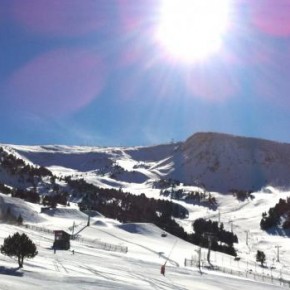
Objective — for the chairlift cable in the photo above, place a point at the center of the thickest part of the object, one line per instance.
(171, 251)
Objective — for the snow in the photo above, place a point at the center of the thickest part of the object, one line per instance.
(96, 266)
(91, 267)
(221, 162)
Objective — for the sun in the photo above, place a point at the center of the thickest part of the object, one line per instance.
(191, 30)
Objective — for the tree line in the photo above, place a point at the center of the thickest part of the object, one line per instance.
(273, 217)
(221, 240)
(194, 197)
(127, 207)
(16, 165)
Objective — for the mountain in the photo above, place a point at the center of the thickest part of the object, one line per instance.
(218, 162)
(47, 186)
(223, 162)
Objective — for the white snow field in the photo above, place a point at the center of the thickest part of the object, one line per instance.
(219, 161)
(98, 263)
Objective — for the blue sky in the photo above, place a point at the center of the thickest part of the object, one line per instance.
(91, 73)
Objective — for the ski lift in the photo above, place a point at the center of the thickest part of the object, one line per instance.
(164, 234)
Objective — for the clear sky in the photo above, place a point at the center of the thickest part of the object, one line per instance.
(100, 72)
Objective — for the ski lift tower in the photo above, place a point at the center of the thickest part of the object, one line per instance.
(210, 237)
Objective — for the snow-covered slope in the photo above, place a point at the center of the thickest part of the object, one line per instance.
(95, 267)
(219, 162)
(223, 162)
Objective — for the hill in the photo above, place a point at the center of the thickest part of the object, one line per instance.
(217, 162)
(96, 262)
(149, 199)
(224, 162)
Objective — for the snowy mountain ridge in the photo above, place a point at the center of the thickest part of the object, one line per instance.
(219, 162)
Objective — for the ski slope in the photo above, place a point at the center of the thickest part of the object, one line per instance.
(91, 267)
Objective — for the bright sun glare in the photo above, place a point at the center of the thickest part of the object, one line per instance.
(190, 30)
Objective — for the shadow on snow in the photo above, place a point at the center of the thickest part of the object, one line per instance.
(10, 271)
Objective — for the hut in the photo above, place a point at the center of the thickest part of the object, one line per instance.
(44, 209)
(61, 240)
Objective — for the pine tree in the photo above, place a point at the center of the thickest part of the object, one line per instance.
(19, 246)
(261, 257)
